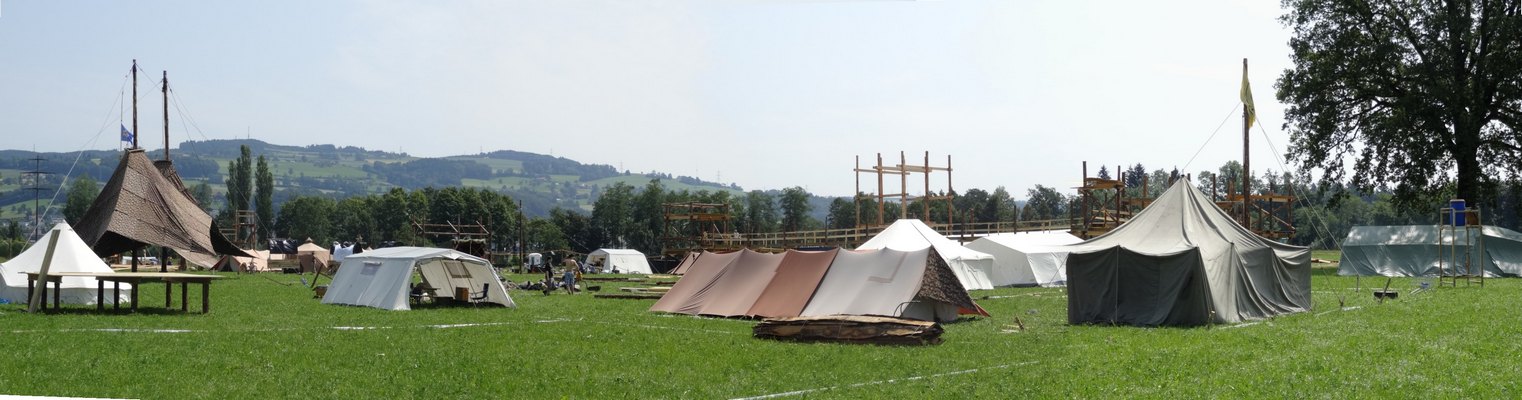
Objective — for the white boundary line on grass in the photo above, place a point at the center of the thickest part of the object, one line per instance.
(856, 385)
(1339, 309)
(358, 328)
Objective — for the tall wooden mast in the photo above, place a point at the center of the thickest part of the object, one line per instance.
(166, 115)
(134, 103)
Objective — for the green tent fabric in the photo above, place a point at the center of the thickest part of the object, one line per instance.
(1413, 250)
(1183, 262)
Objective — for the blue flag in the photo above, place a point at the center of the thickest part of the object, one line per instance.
(126, 134)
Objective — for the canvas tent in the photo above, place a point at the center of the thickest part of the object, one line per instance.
(69, 255)
(258, 263)
(382, 278)
(1412, 250)
(915, 284)
(908, 284)
(626, 261)
(313, 256)
(1183, 261)
(145, 204)
(681, 268)
(1027, 258)
(971, 267)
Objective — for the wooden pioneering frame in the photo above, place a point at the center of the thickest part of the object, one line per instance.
(903, 170)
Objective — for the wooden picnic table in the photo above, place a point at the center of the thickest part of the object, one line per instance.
(135, 278)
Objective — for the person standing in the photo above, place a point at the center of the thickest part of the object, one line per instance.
(571, 268)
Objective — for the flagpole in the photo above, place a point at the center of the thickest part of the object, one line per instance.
(1247, 116)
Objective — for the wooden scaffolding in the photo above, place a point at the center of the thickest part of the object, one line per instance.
(903, 170)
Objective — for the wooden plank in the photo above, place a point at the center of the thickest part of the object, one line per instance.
(850, 329)
(635, 296)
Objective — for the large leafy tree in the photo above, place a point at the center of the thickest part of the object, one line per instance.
(1424, 95)
(264, 197)
(795, 209)
(612, 215)
(81, 193)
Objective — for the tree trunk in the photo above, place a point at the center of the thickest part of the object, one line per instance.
(1466, 156)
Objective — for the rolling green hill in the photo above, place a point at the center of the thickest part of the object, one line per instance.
(541, 182)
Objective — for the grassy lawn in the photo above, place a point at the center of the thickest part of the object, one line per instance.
(267, 338)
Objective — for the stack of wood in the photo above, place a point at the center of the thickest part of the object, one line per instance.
(850, 329)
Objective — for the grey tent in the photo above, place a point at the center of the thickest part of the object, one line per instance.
(1182, 261)
(1412, 250)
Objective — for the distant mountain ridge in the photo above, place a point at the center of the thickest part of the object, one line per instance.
(540, 182)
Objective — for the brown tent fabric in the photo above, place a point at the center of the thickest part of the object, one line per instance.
(141, 207)
(681, 269)
(742, 284)
(793, 284)
(940, 284)
(697, 286)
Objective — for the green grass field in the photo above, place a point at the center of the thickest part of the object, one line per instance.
(268, 338)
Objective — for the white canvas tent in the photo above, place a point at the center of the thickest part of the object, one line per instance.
(69, 255)
(1183, 261)
(1412, 250)
(382, 278)
(971, 267)
(1027, 258)
(626, 261)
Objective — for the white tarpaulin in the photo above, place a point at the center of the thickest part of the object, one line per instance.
(1027, 258)
(626, 261)
(69, 255)
(1412, 250)
(381, 278)
(971, 267)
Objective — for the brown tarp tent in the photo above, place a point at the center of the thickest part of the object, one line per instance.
(907, 284)
(742, 284)
(681, 269)
(688, 295)
(793, 284)
(140, 206)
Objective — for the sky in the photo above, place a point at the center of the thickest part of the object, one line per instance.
(764, 94)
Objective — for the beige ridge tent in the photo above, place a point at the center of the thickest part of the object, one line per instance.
(1183, 261)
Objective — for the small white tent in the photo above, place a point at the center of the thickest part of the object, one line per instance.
(381, 278)
(69, 255)
(626, 261)
(1027, 258)
(971, 266)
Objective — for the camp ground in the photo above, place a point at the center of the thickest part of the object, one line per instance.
(761, 200)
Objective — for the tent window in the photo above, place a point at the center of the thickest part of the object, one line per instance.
(457, 270)
(370, 268)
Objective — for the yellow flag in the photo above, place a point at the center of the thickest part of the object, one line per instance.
(1252, 112)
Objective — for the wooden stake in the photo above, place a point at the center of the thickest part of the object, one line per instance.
(42, 274)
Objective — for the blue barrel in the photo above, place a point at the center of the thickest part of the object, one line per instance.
(1458, 212)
